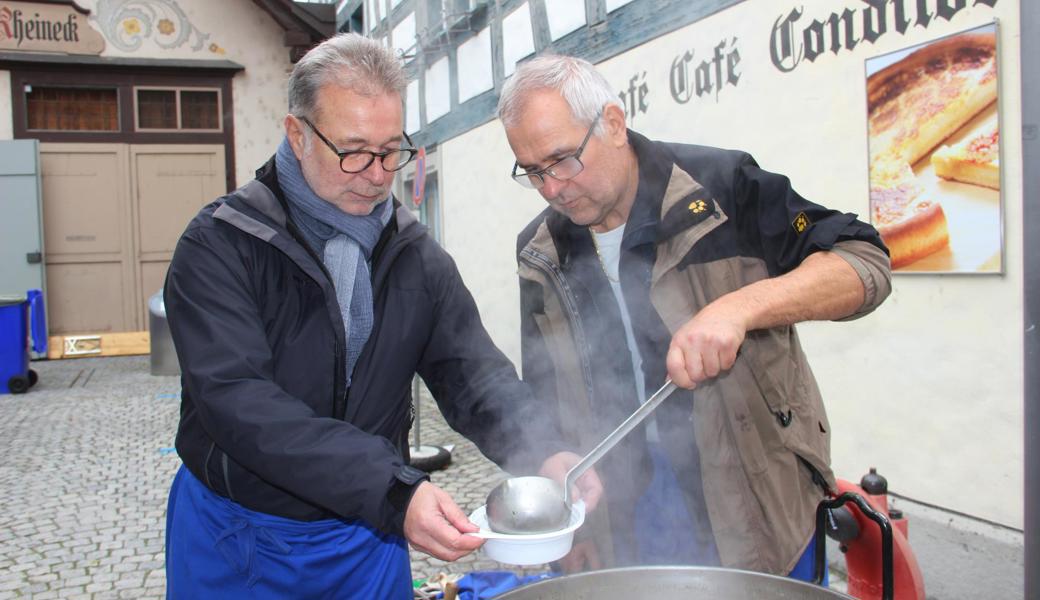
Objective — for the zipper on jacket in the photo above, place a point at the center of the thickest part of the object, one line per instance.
(817, 477)
(341, 410)
(339, 407)
(385, 253)
(339, 401)
(542, 264)
(386, 240)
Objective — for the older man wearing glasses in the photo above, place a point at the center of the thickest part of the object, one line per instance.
(658, 260)
(301, 305)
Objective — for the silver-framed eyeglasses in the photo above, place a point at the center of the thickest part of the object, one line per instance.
(356, 161)
(566, 168)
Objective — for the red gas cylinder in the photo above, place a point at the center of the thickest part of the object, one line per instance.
(863, 552)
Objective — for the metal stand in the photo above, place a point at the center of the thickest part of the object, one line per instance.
(426, 458)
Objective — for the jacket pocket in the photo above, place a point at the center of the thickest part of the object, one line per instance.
(770, 367)
(726, 431)
(226, 470)
(218, 472)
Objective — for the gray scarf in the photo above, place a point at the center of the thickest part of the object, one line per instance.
(344, 241)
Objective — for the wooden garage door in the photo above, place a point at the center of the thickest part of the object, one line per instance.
(170, 185)
(112, 215)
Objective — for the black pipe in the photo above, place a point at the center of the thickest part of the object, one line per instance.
(887, 579)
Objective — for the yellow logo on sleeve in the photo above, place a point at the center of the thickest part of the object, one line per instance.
(800, 223)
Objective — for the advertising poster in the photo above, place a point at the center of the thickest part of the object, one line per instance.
(934, 140)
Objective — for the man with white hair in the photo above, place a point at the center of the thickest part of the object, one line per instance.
(660, 260)
(301, 305)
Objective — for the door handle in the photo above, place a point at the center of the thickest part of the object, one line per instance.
(34, 258)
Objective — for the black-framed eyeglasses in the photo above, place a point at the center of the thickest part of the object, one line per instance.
(566, 168)
(356, 161)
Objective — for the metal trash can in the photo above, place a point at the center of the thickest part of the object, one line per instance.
(164, 355)
(21, 317)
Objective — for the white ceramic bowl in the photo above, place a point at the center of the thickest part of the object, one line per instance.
(528, 549)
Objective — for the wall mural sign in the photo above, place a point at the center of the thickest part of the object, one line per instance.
(795, 37)
(47, 27)
(934, 139)
(128, 23)
(691, 77)
(634, 99)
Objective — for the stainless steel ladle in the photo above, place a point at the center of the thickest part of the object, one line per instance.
(537, 504)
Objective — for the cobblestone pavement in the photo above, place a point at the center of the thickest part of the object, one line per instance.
(87, 460)
(84, 477)
(87, 463)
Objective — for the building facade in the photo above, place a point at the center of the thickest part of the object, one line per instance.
(136, 113)
(929, 388)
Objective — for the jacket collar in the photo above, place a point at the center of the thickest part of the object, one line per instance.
(668, 201)
(271, 204)
(262, 197)
(655, 167)
(259, 208)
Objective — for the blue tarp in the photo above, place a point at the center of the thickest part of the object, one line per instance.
(484, 585)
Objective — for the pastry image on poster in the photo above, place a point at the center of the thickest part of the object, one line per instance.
(934, 141)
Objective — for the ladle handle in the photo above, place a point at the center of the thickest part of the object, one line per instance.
(615, 436)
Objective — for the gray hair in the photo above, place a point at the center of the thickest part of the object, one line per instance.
(584, 89)
(349, 60)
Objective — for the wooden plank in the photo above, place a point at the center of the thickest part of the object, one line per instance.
(99, 344)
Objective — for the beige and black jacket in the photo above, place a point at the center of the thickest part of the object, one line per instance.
(751, 447)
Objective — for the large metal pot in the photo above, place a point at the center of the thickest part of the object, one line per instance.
(671, 583)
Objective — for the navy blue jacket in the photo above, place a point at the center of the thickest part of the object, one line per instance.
(266, 417)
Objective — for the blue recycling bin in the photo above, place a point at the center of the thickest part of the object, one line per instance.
(21, 315)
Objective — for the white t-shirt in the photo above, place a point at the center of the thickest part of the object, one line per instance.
(608, 246)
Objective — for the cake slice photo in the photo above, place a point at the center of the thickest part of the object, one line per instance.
(974, 160)
(933, 147)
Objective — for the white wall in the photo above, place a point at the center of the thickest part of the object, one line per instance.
(929, 388)
(483, 212)
(260, 92)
